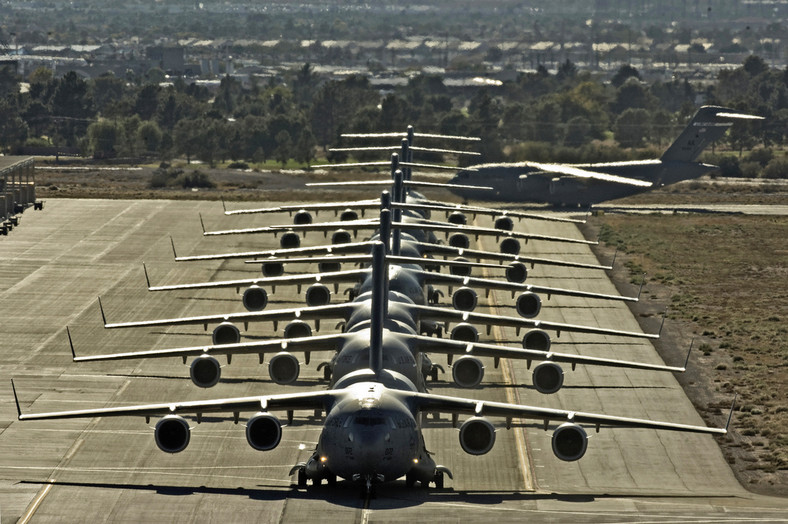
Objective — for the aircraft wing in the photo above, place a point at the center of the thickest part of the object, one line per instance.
(352, 247)
(312, 343)
(432, 277)
(562, 169)
(452, 315)
(438, 249)
(472, 230)
(289, 401)
(333, 277)
(309, 313)
(439, 403)
(328, 206)
(437, 205)
(457, 347)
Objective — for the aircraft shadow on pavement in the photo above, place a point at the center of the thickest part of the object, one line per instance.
(239, 380)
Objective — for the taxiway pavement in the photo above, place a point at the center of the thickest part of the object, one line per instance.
(53, 269)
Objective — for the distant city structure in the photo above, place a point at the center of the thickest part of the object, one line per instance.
(663, 40)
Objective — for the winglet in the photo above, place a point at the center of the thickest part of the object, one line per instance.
(174, 253)
(224, 207)
(664, 316)
(202, 223)
(642, 281)
(16, 399)
(147, 278)
(588, 212)
(686, 361)
(101, 308)
(728, 423)
(613, 262)
(71, 343)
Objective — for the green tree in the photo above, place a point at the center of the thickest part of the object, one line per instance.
(284, 147)
(631, 128)
(149, 135)
(103, 138)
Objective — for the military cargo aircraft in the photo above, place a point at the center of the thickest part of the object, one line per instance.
(586, 184)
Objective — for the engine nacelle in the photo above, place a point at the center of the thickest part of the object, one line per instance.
(226, 333)
(457, 217)
(536, 339)
(341, 236)
(205, 371)
(329, 267)
(273, 269)
(255, 298)
(529, 305)
(516, 272)
(289, 240)
(461, 271)
(548, 377)
(302, 217)
(348, 215)
(467, 371)
(459, 240)
(297, 329)
(504, 223)
(318, 295)
(570, 442)
(477, 436)
(465, 332)
(464, 299)
(283, 368)
(510, 246)
(263, 431)
(172, 434)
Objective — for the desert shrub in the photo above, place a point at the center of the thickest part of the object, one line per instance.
(776, 168)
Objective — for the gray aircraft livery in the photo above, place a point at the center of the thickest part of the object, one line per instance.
(585, 184)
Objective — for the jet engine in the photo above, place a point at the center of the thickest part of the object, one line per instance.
(283, 368)
(548, 377)
(516, 272)
(570, 442)
(536, 339)
(465, 332)
(263, 431)
(255, 298)
(459, 240)
(504, 223)
(467, 371)
(302, 217)
(462, 271)
(510, 246)
(529, 305)
(226, 333)
(273, 269)
(205, 371)
(477, 436)
(464, 299)
(297, 329)
(458, 218)
(172, 434)
(328, 267)
(341, 236)
(318, 295)
(290, 240)
(348, 215)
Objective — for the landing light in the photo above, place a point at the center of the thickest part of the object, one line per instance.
(415, 461)
(323, 459)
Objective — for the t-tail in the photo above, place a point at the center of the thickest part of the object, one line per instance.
(708, 124)
(379, 285)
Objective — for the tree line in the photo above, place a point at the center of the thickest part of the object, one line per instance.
(569, 115)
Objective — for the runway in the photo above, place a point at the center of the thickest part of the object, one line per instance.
(53, 269)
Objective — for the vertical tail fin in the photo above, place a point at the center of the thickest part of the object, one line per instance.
(708, 125)
(379, 281)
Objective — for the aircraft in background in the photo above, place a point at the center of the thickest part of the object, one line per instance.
(586, 184)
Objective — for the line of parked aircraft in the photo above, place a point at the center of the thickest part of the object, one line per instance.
(380, 368)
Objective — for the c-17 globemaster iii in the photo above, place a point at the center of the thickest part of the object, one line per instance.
(586, 184)
(372, 431)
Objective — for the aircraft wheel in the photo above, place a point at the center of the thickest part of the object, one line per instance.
(409, 480)
(331, 480)
(434, 374)
(302, 478)
(438, 480)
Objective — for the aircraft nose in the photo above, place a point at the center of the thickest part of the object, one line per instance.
(371, 448)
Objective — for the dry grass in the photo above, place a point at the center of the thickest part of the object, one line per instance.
(725, 279)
